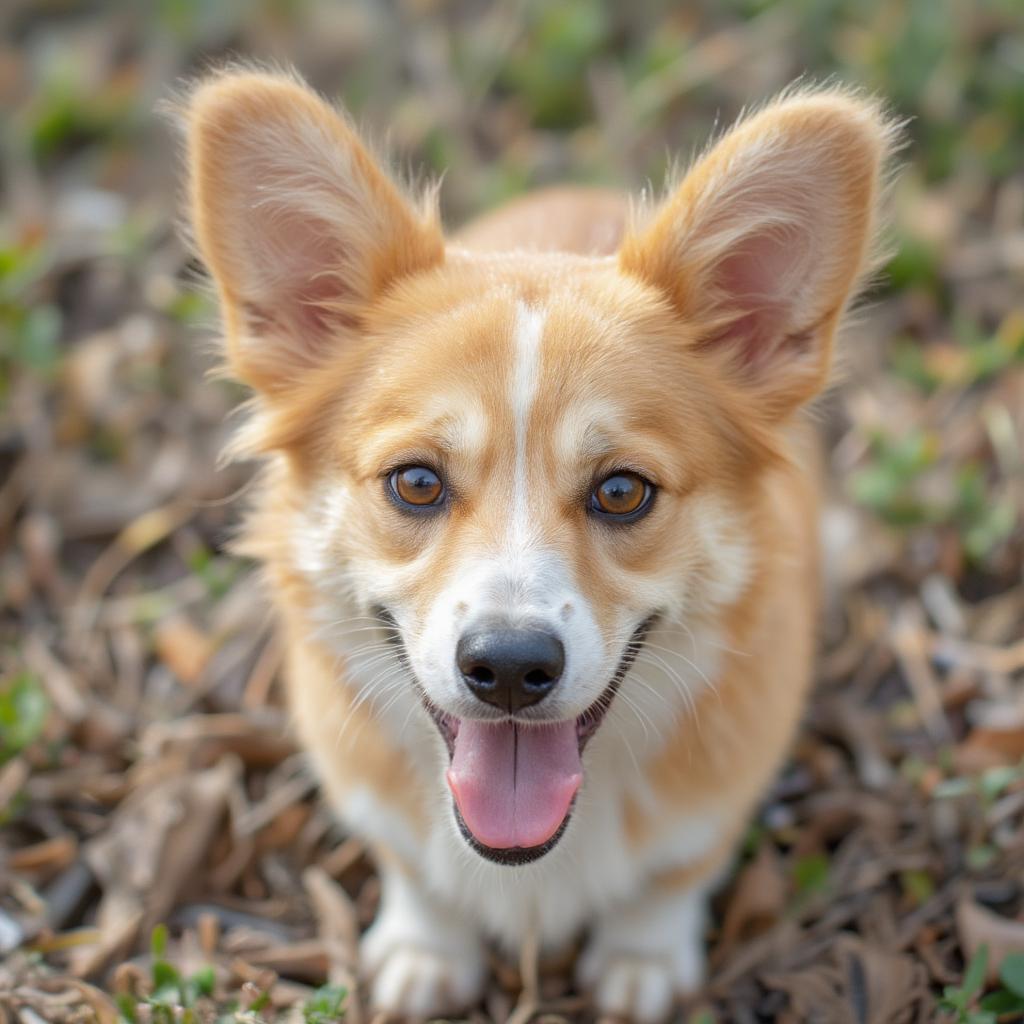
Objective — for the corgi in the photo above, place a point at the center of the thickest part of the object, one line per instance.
(538, 515)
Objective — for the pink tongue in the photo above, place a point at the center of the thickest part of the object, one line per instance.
(513, 784)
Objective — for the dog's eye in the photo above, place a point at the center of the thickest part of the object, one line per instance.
(417, 486)
(622, 495)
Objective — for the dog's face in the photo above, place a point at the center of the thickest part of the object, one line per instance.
(520, 463)
(508, 486)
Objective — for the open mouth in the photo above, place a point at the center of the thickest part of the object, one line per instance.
(514, 783)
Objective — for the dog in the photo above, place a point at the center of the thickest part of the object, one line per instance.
(538, 514)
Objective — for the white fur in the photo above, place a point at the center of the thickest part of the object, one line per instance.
(644, 955)
(422, 956)
(378, 823)
(527, 332)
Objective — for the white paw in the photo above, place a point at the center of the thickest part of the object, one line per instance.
(421, 962)
(636, 965)
(420, 983)
(636, 989)
(640, 987)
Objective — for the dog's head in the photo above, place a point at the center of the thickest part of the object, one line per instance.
(519, 462)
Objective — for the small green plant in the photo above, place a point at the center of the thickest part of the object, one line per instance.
(918, 886)
(893, 485)
(811, 874)
(325, 1006)
(966, 1003)
(886, 483)
(701, 1017)
(175, 998)
(1007, 1002)
(29, 328)
(548, 70)
(988, 786)
(218, 574)
(971, 357)
(960, 1000)
(67, 114)
(23, 710)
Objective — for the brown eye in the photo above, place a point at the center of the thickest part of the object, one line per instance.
(622, 494)
(417, 486)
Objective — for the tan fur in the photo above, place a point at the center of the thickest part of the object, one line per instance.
(682, 349)
(588, 221)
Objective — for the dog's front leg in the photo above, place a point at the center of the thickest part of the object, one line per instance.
(643, 955)
(423, 959)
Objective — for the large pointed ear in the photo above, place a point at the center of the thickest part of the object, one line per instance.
(298, 225)
(766, 239)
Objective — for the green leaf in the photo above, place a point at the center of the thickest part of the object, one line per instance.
(204, 981)
(974, 976)
(981, 857)
(165, 975)
(1011, 973)
(260, 1002)
(917, 885)
(158, 941)
(953, 998)
(1002, 1001)
(39, 337)
(126, 1007)
(811, 873)
(995, 781)
(325, 1006)
(23, 710)
(948, 788)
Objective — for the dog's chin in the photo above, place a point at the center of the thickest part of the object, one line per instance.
(586, 727)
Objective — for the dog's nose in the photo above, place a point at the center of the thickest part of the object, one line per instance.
(510, 668)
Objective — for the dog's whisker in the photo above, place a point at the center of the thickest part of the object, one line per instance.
(652, 648)
(678, 682)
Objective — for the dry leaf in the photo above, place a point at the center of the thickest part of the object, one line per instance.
(182, 647)
(757, 900)
(978, 926)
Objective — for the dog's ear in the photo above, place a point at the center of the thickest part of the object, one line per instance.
(765, 240)
(298, 225)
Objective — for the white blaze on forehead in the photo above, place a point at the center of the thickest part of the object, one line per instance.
(526, 336)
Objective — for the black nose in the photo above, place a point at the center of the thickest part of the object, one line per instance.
(510, 668)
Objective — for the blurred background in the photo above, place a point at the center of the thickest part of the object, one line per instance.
(162, 851)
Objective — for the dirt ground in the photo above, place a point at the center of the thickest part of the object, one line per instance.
(163, 852)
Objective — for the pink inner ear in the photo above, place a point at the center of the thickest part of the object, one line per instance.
(757, 287)
(298, 288)
(307, 319)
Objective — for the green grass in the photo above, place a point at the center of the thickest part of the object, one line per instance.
(171, 997)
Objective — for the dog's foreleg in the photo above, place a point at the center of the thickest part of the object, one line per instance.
(644, 955)
(422, 959)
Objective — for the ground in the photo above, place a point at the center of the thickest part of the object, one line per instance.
(163, 851)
